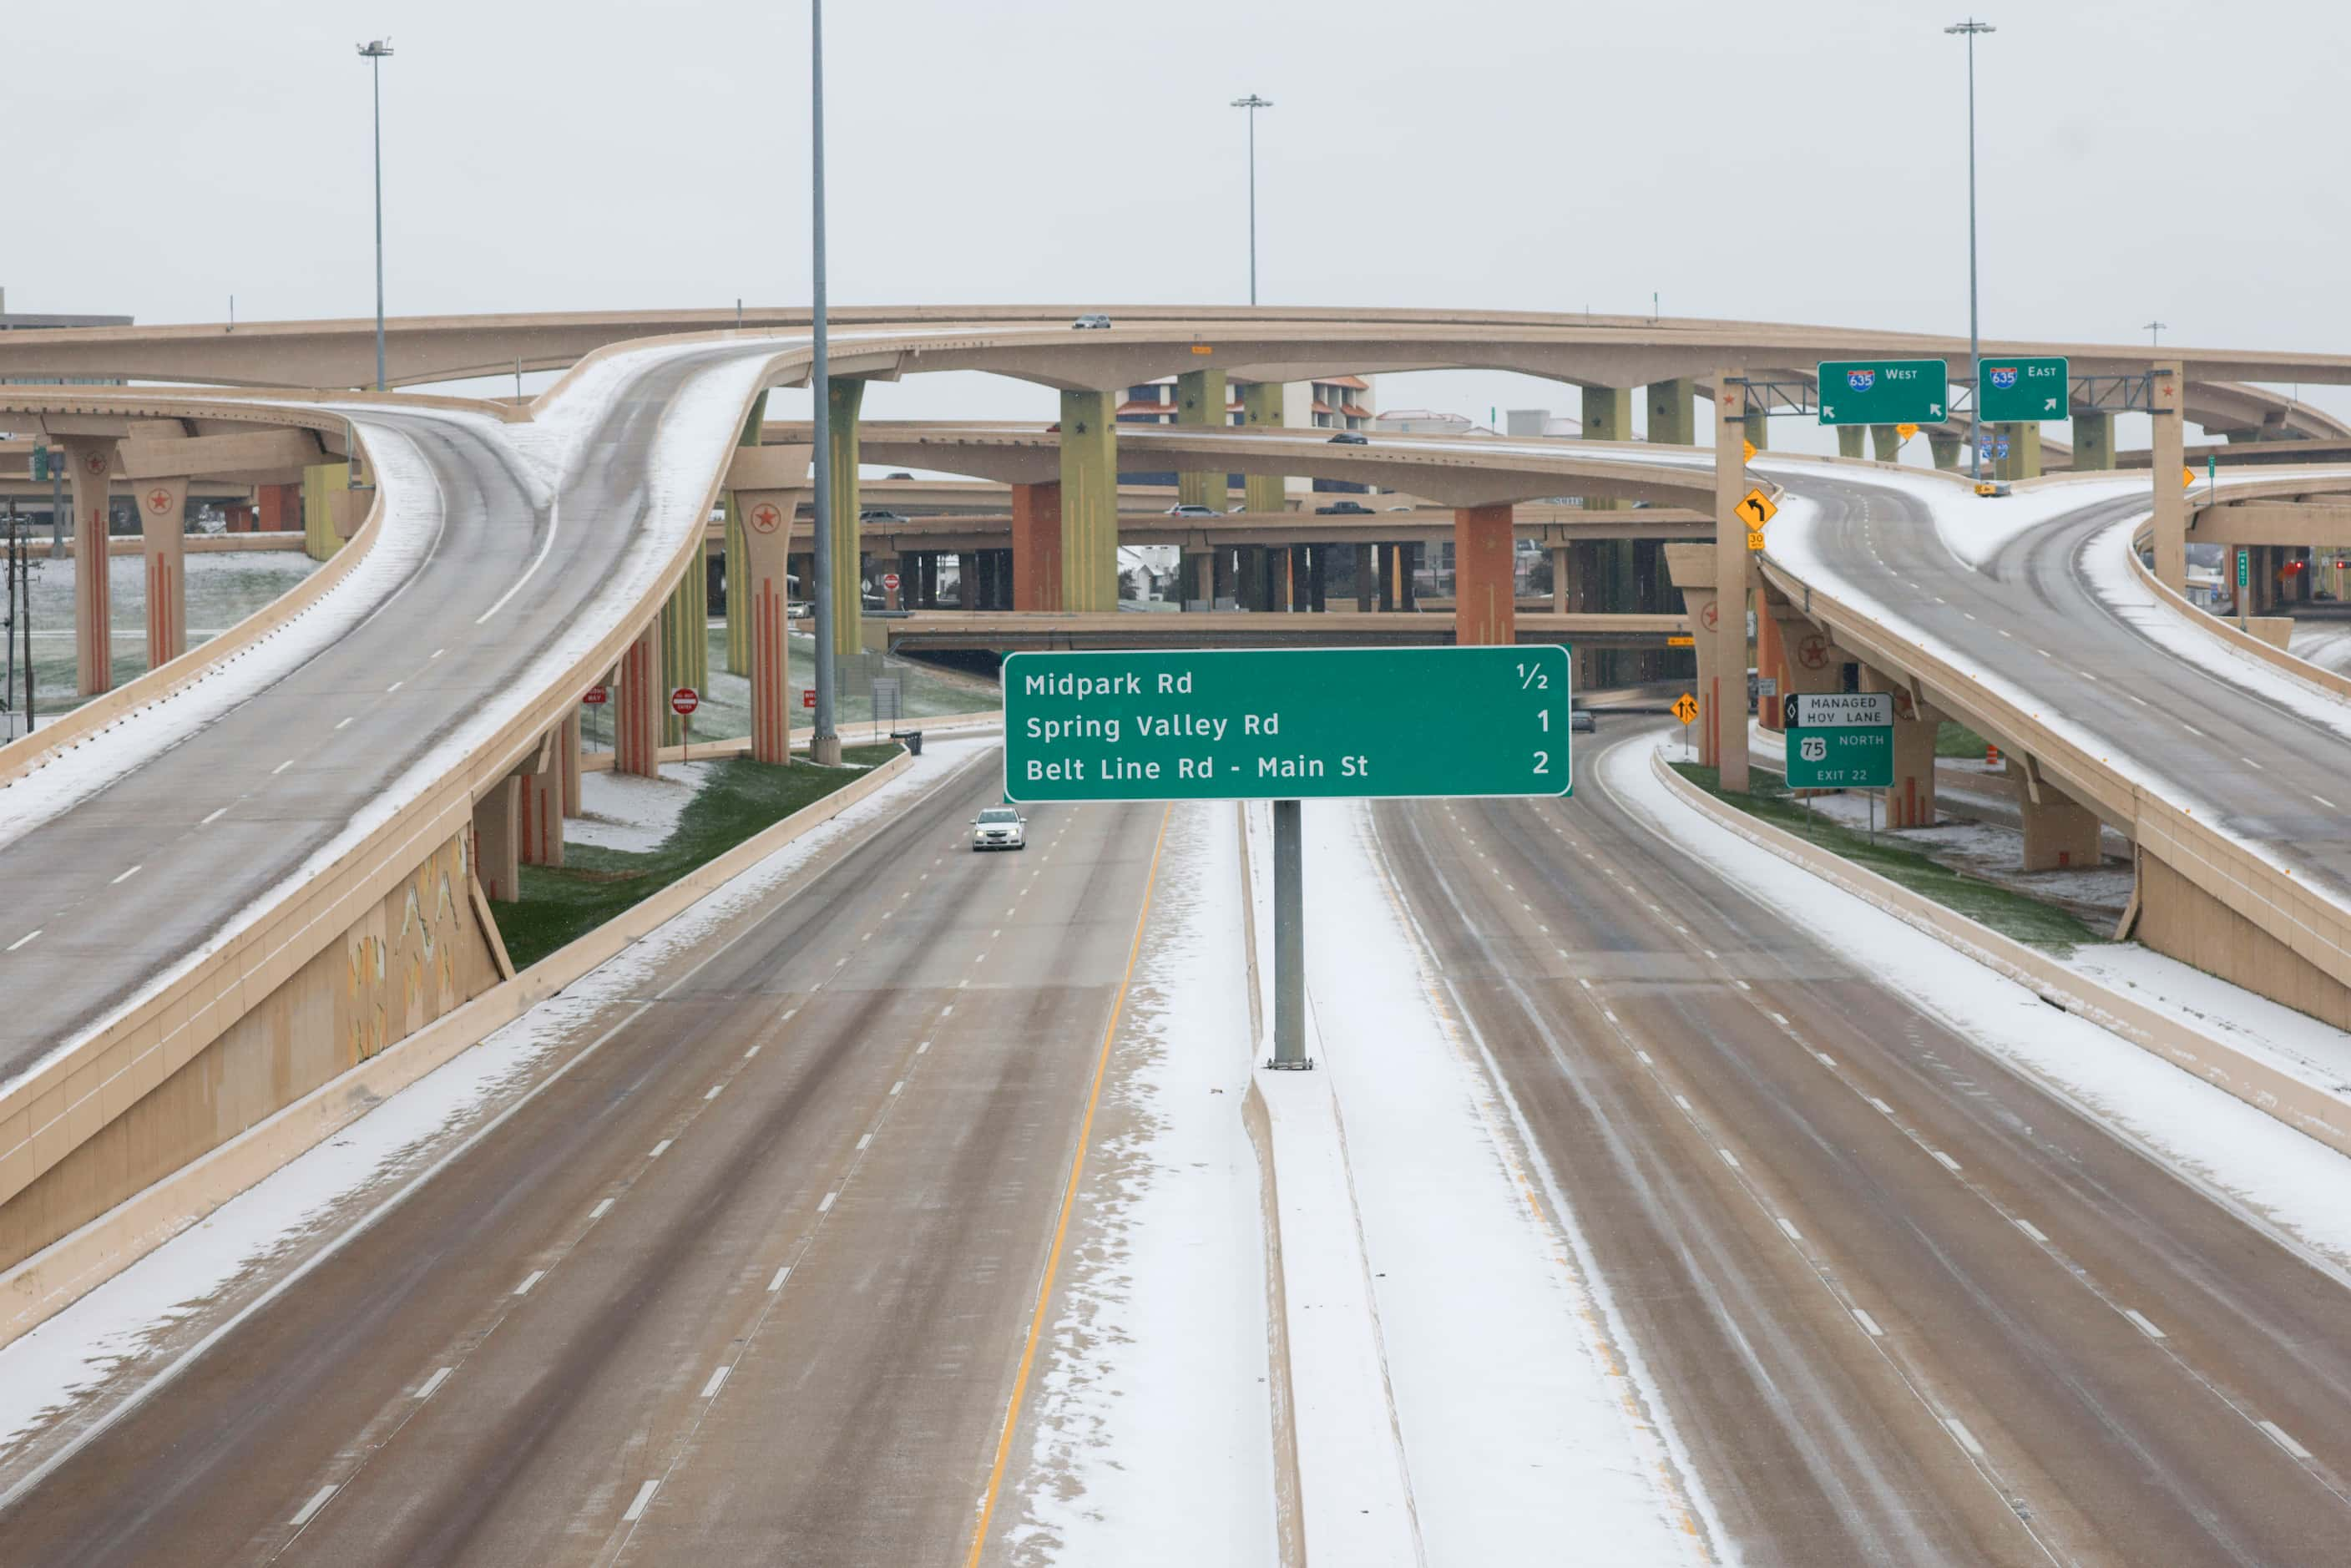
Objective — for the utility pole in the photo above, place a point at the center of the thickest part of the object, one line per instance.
(1971, 27)
(2155, 339)
(1252, 103)
(825, 748)
(375, 53)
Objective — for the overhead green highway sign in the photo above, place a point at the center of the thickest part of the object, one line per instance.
(2019, 390)
(1286, 724)
(1839, 741)
(1884, 391)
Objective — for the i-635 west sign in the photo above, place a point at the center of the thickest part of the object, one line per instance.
(1287, 724)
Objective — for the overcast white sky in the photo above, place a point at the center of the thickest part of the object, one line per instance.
(1793, 161)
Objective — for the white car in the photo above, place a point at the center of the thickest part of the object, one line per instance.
(999, 828)
(1192, 509)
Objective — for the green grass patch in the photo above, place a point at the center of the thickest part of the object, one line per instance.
(562, 904)
(2012, 914)
(1957, 740)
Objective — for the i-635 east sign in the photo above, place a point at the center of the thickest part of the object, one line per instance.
(1286, 724)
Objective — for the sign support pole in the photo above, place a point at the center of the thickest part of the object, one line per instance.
(1289, 940)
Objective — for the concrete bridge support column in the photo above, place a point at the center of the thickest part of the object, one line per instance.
(2170, 499)
(1200, 400)
(1691, 567)
(89, 463)
(1485, 599)
(639, 701)
(1733, 575)
(162, 525)
(498, 841)
(761, 599)
(1673, 413)
(1945, 446)
(1885, 443)
(685, 645)
(1036, 546)
(1910, 799)
(2023, 459)
(2058, 833)
(1756, 428)
(568, 749)
(1852, 441)
(738, 627)
(1089, 502)
(1608, 416)
(2094, 441)
(847, 547)
(1558, 558)
(1262, 407)
(322, 483)
(538, 803)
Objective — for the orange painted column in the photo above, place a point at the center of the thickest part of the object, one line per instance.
(539, 812)
(1036, 546)
(639, 702)
(90, 460)
(162, 524)
(1485, 576)
(279, 508)
(766, 595)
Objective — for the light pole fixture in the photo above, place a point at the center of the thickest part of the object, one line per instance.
(2154, 338)
(1970, 28)
(1252, 103)
(824, 746)
(375, 52)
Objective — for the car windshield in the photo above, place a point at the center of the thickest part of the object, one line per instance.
(1000, 815)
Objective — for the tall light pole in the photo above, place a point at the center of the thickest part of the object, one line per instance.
(1971, 27)
(825, 748)
(1252, 103)
(375, 52)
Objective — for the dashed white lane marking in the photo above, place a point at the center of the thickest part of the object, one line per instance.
(1882, 1107)
(2087, 676)
(636, 1509)
(2032, 1230)
(346, 723)
(922, 1048)
(2325, 803)
(862, 1142)
(1948, 1163)
(1779, 1018)
(750, 1053)
(2138, 1319)
(1967, 1438)
(1789, 1230)
(1742, 985)
(27, 936)
(217, 814)
(438, 652)
(661, 1148)
(1645, 1058)
(2254, 765)
(281, 768)
(2279, 1436)
(1682, 1102)
(946, 1009)
(826, 1206)
(431, 1384)
(2191, 729)
(1827, 1059)
(1729, 1158)
(776, 1283)
(710, 1389)
(309, 1511)
(896, 1087)
(2044, 652)
(1868, 1324)
(2136, 698)
(394, 687)
(601, 1209)
(713, 1092)
(535, 1276)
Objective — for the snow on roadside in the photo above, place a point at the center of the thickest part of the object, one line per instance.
(127, 1319)
(2105, 563)
(1153, 1421)
(2292, 1181)
(622, 812)
(1528, 1419)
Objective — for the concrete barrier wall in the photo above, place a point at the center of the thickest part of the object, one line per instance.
(146, 1214)
(2269, 651)
(2302, 1105)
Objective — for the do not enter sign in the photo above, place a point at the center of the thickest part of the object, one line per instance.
(684, 701)
(890, 581)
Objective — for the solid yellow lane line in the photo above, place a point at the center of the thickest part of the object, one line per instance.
(1069, 1202)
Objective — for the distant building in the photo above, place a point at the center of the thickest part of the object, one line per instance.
(1426, 422)
(1335, 403)
(1541, 422)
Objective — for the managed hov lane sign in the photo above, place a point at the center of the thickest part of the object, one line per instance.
(1839, 741)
